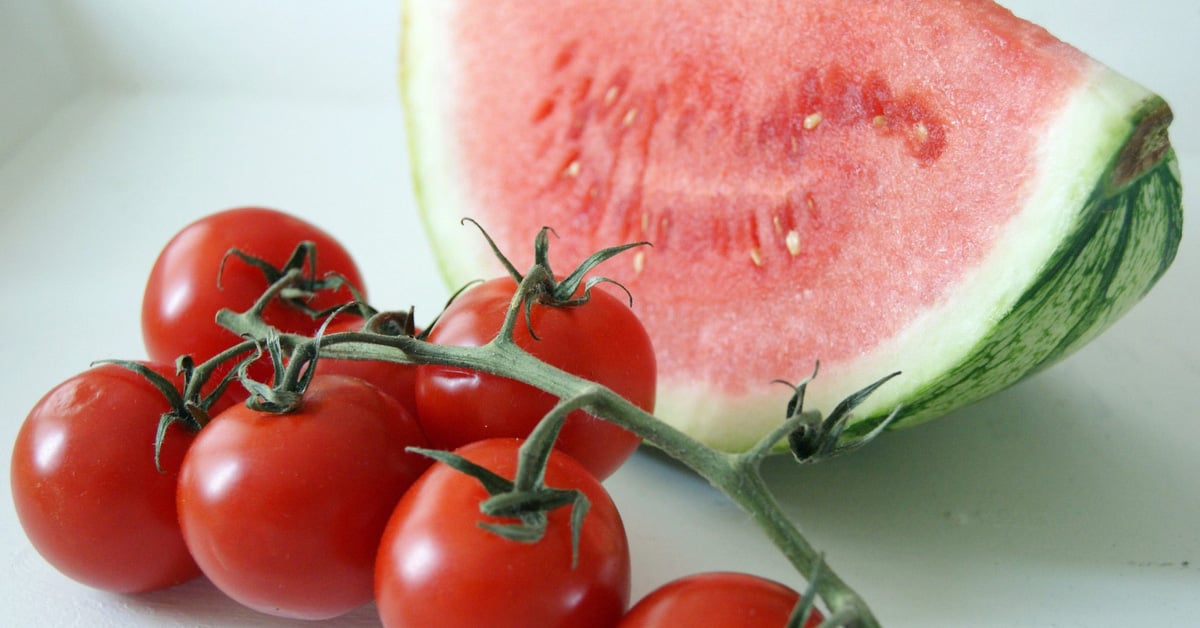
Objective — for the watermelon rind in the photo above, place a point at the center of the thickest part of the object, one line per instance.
(1102, 225)
(1120, 237)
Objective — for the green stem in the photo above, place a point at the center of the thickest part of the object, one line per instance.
(736, 475)
(751, 493)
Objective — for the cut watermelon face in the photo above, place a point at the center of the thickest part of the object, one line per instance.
(938, 188)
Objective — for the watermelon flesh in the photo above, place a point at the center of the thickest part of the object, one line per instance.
(939, 188)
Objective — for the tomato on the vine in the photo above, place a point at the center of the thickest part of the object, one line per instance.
(718, 600)
(601, 340)
(284, 512)
(438, 567)
(85, 484)
(193, 278)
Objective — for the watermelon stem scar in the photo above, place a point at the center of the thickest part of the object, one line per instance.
(810, 435)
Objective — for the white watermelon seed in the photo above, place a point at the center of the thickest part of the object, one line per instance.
(610, 96)
(792, 240)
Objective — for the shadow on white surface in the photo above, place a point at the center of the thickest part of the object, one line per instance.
(1047, 483)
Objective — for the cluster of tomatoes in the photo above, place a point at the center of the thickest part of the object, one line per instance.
(313, 512)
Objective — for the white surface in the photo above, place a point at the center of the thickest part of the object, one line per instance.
(1069, 500)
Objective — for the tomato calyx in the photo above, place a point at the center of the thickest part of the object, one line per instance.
(540, 285)
(812, 438)
(526, 500)
(294, 358)
(286, 392)
(295, 284)
(296, 294)
(189, 409)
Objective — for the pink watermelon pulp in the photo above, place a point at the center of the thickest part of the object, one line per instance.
(939, 188)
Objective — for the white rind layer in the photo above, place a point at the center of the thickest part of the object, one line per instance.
(428, 81)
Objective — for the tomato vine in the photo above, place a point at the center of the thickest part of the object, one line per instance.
(809, 436)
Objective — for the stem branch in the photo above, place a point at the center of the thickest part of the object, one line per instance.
(736, 475)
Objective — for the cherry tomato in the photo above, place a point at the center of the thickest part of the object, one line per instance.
(438, 567)
(602, 341)
(86, 488)
(284, 512)
(718, 600)
(182, 295)
(397, 380)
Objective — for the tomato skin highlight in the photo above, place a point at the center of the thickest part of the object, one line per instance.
(86, 489)
(283, 512)
(182, 294)
(437, 567)
(602, 341)
(717, 600)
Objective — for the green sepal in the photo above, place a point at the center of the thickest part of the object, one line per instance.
(492, 482)
(180, 411)
(811, 438)
(526, 499)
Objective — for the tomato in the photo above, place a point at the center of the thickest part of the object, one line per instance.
(438, 567)
(397, 380)
(182, 294)
(602, 341)
(86, 488)
(284, 512)
(718, 600)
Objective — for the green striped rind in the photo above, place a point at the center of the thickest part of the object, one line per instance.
(1126, 236)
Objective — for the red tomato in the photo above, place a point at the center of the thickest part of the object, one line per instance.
(397, 380)
(437, 567)
(86, 488)
(283, 512)
(182, 294)
(602, 341)
(718, 600)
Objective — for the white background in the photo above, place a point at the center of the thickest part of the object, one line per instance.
(1069, 500)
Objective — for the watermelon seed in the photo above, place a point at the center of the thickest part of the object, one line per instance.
(812, 120)
(922, 132)
(572, 169)
(879, 121)
(630, 116)
(756, 256)
(639, 262)
(610, 96)
(664, 227)
(792, 241)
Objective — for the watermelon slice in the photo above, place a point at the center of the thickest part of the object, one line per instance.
(935, 187)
